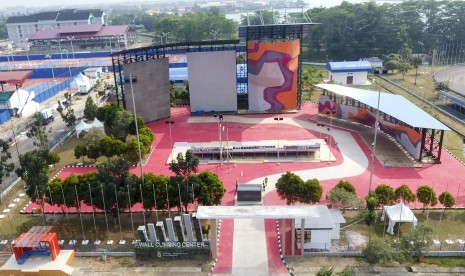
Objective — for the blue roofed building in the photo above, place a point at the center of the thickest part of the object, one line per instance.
(349, 72)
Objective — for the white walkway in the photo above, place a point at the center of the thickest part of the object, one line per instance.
(249, 245)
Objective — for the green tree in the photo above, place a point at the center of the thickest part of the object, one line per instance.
(385, 195)
(106, 147)
(93, 152)
(210, 189)
(370, 214)
(446, 199)
(185, 164)
(416, 61)
(69, 118)
(5, 167)
(378, 251)
(38, 133)
(107, 114)
(80, 151)
(121, 123)
(341, 198)
(154, 189)
(418, 241)
(311, 191)
(289, 187)
(93, 136)
(346, 185)
(33, 169)
(403, 192)
(132, 125)
(110, 188)
(132, 149)
(90, 109)
(427, 196)
(403, 68)
(391, 65)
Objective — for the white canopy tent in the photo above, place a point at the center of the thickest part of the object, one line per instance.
(398, 213)
(82, 126)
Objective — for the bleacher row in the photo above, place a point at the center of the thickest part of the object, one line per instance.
(255, 149)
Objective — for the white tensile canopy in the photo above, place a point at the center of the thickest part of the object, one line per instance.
(82, 126)
(398, 213)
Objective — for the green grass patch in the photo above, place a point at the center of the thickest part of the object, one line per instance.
(445, 261)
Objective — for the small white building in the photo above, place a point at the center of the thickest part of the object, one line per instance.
(349, 72)
(319, 232)
(93, 72)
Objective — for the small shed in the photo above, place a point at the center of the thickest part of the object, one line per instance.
(349, 72)
(249, 193)
(320, 231)
(398, 213)
(93, 72)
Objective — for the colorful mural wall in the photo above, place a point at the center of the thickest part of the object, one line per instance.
(407, 137)
(272, 74)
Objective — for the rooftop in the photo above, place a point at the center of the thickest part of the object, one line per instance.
(348, 66)
(62, 15)
(78, 31)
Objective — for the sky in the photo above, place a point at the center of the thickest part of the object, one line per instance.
(71, 3)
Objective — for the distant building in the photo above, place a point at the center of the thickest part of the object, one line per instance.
(72, 39)
(21, 28)
(376, 64)
(349, 72)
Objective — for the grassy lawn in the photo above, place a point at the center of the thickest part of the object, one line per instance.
(445, 261)
(447, 225)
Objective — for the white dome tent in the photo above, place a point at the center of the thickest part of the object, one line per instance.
(83, 126)
(398, 213)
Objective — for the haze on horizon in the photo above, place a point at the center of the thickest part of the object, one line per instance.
(95, 4)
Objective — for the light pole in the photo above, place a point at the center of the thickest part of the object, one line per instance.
(278, 119)
(166, 36)
(168, 200)
(50, 59)
(169, 123)
(220, 120)
(161, 37)
(374, 138)
(214, 34)
(71, 41)
(330, 114)
(138, 145)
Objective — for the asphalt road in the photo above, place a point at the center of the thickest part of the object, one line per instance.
(56, 130)
(455, 76)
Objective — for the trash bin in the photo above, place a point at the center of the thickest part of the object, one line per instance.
(104, 257)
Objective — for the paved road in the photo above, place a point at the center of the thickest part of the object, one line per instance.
(455, 76)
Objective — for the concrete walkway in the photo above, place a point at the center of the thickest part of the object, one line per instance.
(249, 244)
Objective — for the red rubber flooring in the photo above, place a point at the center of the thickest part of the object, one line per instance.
(449, 175)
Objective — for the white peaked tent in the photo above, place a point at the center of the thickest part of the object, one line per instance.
(82, 126)
(398, 213)
(80, 84)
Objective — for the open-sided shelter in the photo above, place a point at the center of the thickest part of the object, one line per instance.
(83, 126)
(396, 214)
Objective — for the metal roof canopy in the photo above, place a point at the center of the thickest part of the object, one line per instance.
(16, 77)
(33, 237)
(258, 212)
(393, 105)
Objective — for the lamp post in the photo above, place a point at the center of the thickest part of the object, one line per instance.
(161, 37)
(373, 151)
(330, 114)
(50, 59)
(220, 120)
(214, 34)
(278, 119)
(169, 123)
(166, 36)
(138, 146)
(168, 200)
(71, 41)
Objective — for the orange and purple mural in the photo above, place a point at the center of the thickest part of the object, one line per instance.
(272, 74)
(407, 136)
